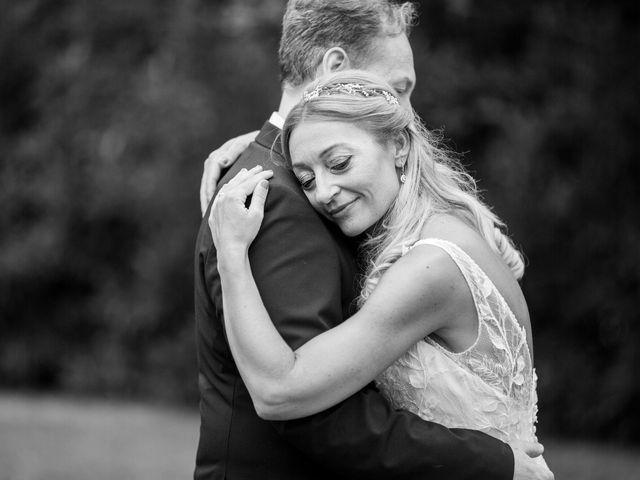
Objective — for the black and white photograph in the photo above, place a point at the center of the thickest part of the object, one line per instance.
(313, 239)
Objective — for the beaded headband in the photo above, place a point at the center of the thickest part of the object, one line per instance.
(355, 89)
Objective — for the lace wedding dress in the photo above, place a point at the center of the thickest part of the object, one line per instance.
(490, 387)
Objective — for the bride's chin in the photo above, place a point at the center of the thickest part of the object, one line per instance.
(354, 231)
(351, 233)
(374, 228)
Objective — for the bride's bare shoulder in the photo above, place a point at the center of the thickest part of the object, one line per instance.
(453, 229)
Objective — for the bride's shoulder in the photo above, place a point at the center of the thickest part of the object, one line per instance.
(431, 272)
(451, 228)
(441, 241)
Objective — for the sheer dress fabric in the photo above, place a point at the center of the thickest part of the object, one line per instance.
(491, 386)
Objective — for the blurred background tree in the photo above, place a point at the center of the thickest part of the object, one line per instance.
(108, 110)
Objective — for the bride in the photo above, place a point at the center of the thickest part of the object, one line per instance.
(442, 324)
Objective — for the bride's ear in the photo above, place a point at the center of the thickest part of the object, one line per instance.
(401, 145)
(334, 60)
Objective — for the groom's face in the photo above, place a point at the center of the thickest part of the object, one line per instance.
(392, 59)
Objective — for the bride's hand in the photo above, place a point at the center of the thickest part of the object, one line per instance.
(233, 225)
(533, 449)
(223, 157)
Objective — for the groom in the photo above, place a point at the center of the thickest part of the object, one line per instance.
(305, 272)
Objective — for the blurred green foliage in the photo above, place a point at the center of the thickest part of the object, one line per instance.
(109, 108)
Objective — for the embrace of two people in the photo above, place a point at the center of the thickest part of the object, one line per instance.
(358, 312)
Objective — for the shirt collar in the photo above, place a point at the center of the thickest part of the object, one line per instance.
(276, 120)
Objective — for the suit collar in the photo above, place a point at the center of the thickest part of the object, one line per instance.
(269, 137)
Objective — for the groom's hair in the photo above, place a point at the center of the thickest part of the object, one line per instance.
(311, 27)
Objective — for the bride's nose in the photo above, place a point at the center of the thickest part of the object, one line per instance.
(325, 190)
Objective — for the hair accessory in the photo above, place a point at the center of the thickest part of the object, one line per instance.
(355, 89)
(403, 177)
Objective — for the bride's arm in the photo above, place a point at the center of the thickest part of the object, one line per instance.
(410, 302)
(286, 384)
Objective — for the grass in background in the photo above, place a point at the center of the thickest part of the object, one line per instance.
(61, 439)
(55, 438)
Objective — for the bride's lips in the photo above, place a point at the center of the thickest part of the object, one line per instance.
(338, 210)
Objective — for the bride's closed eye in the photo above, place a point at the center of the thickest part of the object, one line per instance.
(335, 165)
(306, 181)
(340, 163)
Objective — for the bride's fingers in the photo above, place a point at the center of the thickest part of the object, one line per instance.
(228, 189)
(256, 209)
(243, 174)
(533, 449)
(237, 178)
(242, 187)
(248, 185)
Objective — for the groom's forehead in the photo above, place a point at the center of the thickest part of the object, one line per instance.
(393, 49)
(391, 58)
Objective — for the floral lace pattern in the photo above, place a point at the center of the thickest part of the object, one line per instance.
(491, 386)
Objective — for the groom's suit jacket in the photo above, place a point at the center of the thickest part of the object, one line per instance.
(305, 271)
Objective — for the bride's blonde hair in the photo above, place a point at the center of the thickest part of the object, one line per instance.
(435, 182)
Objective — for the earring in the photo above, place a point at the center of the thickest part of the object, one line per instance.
(403, 177)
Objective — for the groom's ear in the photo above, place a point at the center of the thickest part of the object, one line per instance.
(334, 60)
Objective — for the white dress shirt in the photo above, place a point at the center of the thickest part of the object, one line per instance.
(276, 120)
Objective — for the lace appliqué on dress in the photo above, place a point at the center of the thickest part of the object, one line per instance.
(491, 389)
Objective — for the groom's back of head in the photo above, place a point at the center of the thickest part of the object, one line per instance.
(311, 27)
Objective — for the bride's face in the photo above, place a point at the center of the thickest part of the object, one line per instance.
(347, 175)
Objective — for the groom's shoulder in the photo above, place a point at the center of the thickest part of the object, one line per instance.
(283, 186)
